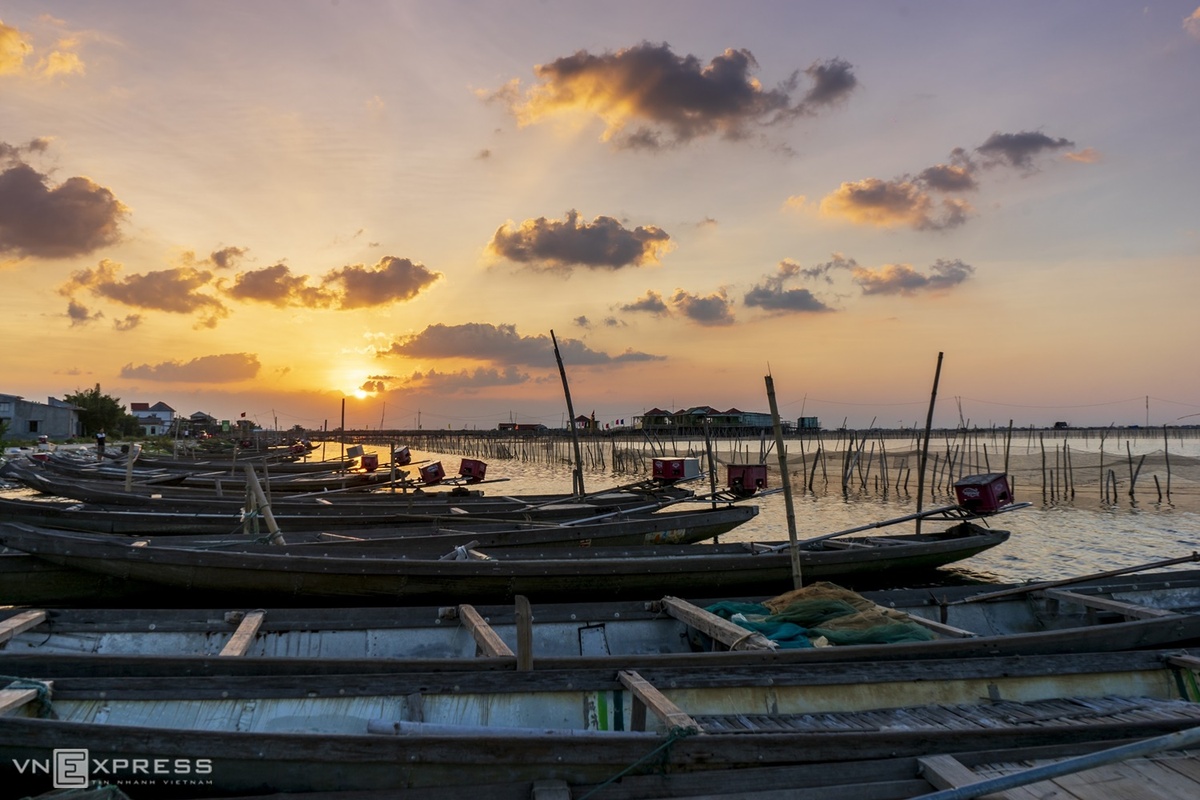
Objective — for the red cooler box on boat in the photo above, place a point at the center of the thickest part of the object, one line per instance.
(746, 479)
(370, 461)
(472, 469)
(983, 494)
(432, 473)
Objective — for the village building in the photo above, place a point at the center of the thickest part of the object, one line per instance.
(154, 420)
(27, 419)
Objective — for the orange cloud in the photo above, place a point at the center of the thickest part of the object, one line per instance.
(893, 203)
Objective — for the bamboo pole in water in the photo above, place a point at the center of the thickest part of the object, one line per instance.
(797, 578)
(577, 475)
(1167, 456)
(925, 449)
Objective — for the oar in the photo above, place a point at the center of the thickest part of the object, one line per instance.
(1179, 740)
(1035, 587)
(919, 515)
(581, 497)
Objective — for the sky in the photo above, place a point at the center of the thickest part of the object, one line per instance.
(284, 209)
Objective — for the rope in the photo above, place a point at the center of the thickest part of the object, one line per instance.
(42, 689)
(675, 735)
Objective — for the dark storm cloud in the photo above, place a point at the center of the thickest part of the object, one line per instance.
(1019, 149)
(710, 310)
(174, 290)
(501, 344)
(649, 97)
(224, 368)
(651, 303)
(771, 294)
(603, 243)
(902, 279)
(71, 219)
(389, 281)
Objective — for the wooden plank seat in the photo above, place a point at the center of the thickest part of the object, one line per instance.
(487, 641)
(14, 695)
(243, 637)
(730, 634)
(647, 696)
(19, 623)
(1104, 604)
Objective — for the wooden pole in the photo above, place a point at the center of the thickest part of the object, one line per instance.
(797, 577)
(264, 507)
(134, 451)
(577, 477)
(925, 445)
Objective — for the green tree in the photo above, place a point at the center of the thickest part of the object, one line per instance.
(98, 411)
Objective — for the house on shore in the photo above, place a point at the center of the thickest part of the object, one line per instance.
(26, 419)
(695, 420)
(154, 420)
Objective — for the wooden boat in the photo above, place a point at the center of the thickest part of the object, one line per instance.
(1160, 768)
(25, 579)
(680, 526)
(1153, 610)
(535, 572)
(242, 734)
(392, 499)
(227, 479)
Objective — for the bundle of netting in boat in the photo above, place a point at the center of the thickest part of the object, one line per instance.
(822, 614)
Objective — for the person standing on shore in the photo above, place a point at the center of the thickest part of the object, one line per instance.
(100, 437)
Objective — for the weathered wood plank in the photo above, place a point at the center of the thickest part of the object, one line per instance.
(12, 699)
(937, 627)
(243, 637)
(1104, 604)
(671, 715)
(524, 621)
(1187, 662)
(947, 772)
(1114, 782)
(733, 636)
(486, 639)
(19, 623)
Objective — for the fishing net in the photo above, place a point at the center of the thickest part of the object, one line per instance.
(822, 613)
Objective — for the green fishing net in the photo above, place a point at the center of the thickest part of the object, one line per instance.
(822, 614)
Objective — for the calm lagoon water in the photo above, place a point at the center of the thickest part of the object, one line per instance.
(1061, 535)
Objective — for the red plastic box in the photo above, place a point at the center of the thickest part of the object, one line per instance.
(983, 494)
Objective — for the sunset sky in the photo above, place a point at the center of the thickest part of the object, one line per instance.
(268, 207)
